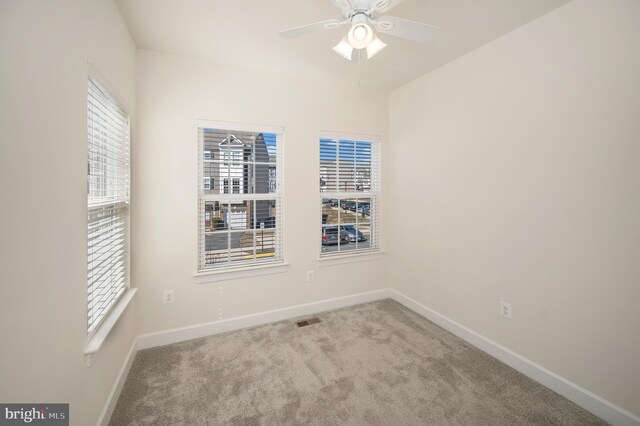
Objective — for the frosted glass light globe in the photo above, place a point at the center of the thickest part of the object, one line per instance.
(359, 32)
(360, 35)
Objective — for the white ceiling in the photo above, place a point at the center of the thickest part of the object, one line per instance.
(244, 33)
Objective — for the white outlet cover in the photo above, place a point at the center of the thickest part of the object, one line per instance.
(168, 296)
(505, 309)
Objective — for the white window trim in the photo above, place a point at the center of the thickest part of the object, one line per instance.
(237, 272)
(346, 257)
(99, 335)
(359, 255)
(246, 270)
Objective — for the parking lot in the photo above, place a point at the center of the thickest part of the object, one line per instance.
(224, 245)
(346, 247)
(222, 240)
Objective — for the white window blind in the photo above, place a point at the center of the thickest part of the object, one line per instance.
(240, 212)
(107, 202)
(349, 195)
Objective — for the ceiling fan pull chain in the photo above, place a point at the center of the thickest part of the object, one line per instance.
(359, 66)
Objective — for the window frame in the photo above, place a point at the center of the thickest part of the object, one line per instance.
(102, 326)
(374, 196)
(257, 266)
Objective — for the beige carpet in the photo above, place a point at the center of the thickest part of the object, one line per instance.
(372, 364)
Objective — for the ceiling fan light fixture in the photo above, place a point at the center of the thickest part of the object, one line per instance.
(360, 35)
(344, 49)
(375, 47)
(359, 32)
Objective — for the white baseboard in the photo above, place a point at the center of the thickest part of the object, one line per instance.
(112, 400)
(586, 399)
(175, 335)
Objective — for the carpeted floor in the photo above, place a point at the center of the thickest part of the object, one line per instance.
(372, 364)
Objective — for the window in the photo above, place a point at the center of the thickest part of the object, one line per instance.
(233, 229)
(207, 183)
(349, 195)
(107, 203)
(207, 155)
(232, 155)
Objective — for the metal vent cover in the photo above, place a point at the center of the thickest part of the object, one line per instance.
(308, 321)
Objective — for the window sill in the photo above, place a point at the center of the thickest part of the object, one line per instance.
(341, 259)
(98, 338)
(233, 273)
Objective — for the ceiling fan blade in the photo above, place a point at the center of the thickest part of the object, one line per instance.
(404, 28)
(310, 28)
(381, 6)
(344, 5)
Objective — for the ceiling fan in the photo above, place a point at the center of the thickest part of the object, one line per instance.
(363, 17)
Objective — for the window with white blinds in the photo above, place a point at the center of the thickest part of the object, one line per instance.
(107, 202)
(239, 195)
(349, 195)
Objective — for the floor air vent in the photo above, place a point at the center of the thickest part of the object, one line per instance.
(308, 321)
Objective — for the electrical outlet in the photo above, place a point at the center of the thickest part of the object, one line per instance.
(505, 309)
(168, 296)
(309, 276)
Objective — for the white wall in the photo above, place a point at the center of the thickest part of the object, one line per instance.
(44, 46)
(522, 158)
(172, 93)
